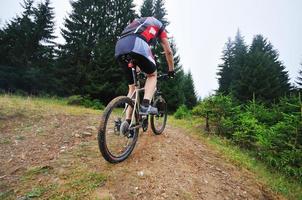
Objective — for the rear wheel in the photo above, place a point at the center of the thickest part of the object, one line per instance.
(158, 122)
(117, 140)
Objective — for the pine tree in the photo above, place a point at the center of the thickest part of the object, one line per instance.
(263, 75)
(237, 65)
(226, 69)
(84, 26)
(147, 8)
(16, 42)
(189, 91)
(24, 50)
(44, 20)
(44, 57)
(91, 32)
(299, 78)
(160, 12)
(121, 16)
(173, 89)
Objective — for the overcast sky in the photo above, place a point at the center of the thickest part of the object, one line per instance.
(201, 28)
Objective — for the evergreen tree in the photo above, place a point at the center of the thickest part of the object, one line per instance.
(160, 12)
(16, 43)
(226, 69)
(237, 64)
(83, 28)
(263, 75)
(91, 32)
(24, 51)
(44, 28)
(230, 71)
(124, 14)
(44, 56)
(257, 71)
(189, 91)
(173, 89)
(299, 78)
(147, 8)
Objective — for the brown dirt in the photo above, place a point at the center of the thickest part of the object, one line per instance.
(169, 166)
(30, 142)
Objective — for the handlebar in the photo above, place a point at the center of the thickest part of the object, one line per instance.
(162, 77)
(142, 75)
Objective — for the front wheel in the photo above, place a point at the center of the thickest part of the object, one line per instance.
(158, 122)
(116, 139)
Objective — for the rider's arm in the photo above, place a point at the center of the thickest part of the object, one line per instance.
(168, 52)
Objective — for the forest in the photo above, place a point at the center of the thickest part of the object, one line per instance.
(32, 63)
(256, 107)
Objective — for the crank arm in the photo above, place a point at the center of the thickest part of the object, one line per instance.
(135, 127)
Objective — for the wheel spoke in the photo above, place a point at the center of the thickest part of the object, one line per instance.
(114, 140)
(158, 122)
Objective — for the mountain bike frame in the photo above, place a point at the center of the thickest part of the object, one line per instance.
(138, 89)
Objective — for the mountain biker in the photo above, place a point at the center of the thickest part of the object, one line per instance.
(136, 40)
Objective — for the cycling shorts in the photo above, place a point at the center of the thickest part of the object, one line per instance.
(139, 50)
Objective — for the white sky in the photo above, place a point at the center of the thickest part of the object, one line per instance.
(201, 28)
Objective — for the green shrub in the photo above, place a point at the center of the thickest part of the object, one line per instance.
(85, 101)
(273, 132)
(246, 130)
(227, 126)
(95, 104)
(217, 106)
(220, 109)
(20, 93)
(262, 113)
(182, 112)
(75, 100)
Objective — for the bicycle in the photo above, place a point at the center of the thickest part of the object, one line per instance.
(116, 140)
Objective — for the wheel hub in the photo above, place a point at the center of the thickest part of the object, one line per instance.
(124, 128)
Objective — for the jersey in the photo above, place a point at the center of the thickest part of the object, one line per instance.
(147, 28)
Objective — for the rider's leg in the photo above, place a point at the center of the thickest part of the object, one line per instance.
(129, 109)
(150, 86)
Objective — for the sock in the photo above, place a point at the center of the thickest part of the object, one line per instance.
(146, 102)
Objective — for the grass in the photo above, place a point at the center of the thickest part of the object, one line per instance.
(78, 185)
(32, 172)
(273, 180)
(66, 178)
(17, 106)
(63, 181)
(5, 141)
(7, 194)
(20, 137)
(36, 192)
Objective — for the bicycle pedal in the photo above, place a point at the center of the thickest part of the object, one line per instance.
(145, 124)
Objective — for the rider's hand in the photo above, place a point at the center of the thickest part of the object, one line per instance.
(171, 74)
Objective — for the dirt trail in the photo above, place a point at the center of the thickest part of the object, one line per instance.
(170, 166)
(176, 166)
